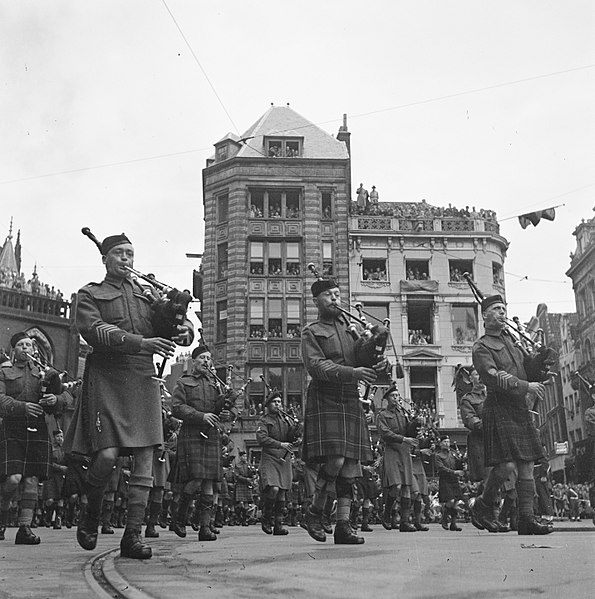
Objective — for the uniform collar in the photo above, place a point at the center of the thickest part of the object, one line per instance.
(115, 281)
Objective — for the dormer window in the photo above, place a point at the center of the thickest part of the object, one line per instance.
(222, 153)
(283, 147)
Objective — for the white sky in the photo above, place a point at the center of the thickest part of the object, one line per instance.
(107, 118)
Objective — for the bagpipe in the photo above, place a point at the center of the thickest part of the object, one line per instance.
(296, 428)
(538, 359)
(371, 342)
(52, 383)
(168, 305)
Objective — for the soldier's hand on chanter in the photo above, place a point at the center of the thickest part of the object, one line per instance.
(211, 419)
(287, 446)
(184, 336)
(411, 441)
(362, 373)
(33, 410)
(382, 366)
(225, 415)
(48, 399)
(158, 345)
(538, 389)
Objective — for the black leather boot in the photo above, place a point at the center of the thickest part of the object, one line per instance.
(58, 518)
(132, 545)
(314, 525)
(178, 522)
(453, 520)
(3, 524)
(266, 521)
(345, 536)
(86, 531)
(279, 529)
(26, 537)
(154, 511)
(365, 520)
(482, 516)
(444, 518)
(530, 526)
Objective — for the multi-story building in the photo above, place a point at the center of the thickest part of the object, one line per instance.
(275, 200)
(582, 273)
(406, 263)
(34, 307)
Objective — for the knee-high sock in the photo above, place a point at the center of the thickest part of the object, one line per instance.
(28, 501)
(525, 492)
(138, 496)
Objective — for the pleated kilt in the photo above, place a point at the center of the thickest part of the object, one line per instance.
(53, 486)
(449, 487)
(161, 467)
(22, 451)
(274, 472)
(334, 424)
(243, 493)
(420, 480)
(197, 457)
(476, 456)
(119, 405)
(397, 468)
(508, 431)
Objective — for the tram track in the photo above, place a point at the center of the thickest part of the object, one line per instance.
(106, 582)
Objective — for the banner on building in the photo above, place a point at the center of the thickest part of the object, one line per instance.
(561, 448)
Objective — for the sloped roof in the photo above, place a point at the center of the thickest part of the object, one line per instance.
(7, 257)
(282, 121)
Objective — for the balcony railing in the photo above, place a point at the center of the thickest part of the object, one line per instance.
(388, 223)
(35, 303)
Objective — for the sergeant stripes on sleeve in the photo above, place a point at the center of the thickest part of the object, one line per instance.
(506, 381)
(103, 333)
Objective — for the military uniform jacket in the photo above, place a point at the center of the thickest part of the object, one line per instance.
(397, 466)
(275, 463)
(25, 446)
(199, 443)
(334, 423)
(509, 432)
(471, 414)
(120, 404)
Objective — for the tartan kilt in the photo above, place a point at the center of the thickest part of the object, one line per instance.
(22, 451)
(197, 457)
(274, 472)
(420, 480)
(334, 424)
(476, 457)
(508, 431)
(53, 486)
(243, 492)
(397, 465)
(449, 487)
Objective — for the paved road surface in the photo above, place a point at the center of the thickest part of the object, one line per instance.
(245, 563)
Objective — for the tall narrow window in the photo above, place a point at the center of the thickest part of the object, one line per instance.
(497, 274)
(256, 203)
(275, 378)
(256, 258)
(275, 258)
(292, 204)
(275, 314)
(222, 208)
(293, 318)
(292, 263)
(222, 261)
(274, 204)
(464, 324)
(327, 205)
(327, 258)
(257, 318)
(221, 327)
(256, 390)
(419, 316)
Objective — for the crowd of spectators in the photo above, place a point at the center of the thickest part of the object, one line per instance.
(419, 210)
(456, 275)
(415, 274)
(418, 337)
(12, 280)
(573, 501)
(377, 274)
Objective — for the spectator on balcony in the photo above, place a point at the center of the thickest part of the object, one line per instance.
(374, 196)
(275, 211)
(362, 197)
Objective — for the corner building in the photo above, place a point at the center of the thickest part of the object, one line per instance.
(406, 263)
(275, 200)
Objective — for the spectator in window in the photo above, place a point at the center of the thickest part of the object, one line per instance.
(326, 213)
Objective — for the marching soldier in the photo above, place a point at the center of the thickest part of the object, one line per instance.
(275, 434)
(120, 404)
(25, 446)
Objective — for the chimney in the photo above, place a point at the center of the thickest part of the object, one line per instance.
(344, 134)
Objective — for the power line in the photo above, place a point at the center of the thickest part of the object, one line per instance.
(201, 67)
